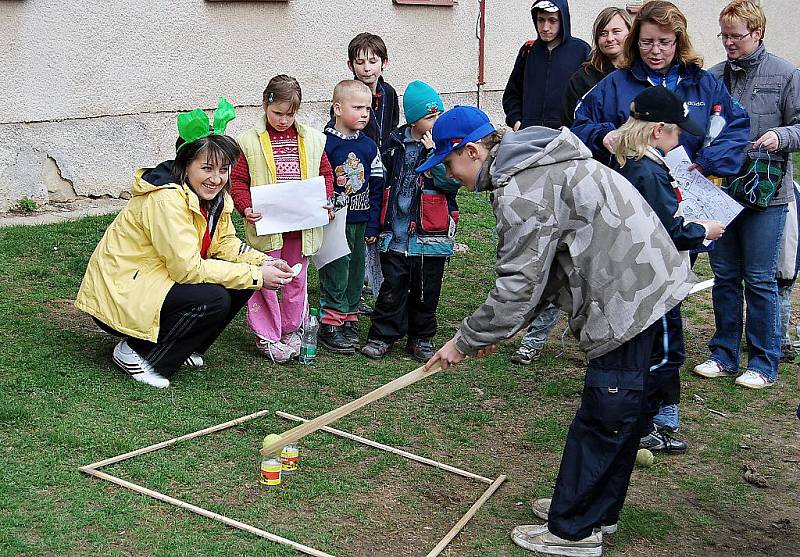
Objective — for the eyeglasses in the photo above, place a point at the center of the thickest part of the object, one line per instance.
(663, 44)
(735, 38)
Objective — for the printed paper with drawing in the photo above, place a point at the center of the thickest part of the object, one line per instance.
(289, 206)
(702, 200)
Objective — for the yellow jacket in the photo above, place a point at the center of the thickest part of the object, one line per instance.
(154, 243)
(257, 149)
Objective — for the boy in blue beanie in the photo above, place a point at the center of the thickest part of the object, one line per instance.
(418, 219)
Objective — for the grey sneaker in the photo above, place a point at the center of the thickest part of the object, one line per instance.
(376, 349)
(660, 440)
(541, 508)
(525, 355)
(537, 537)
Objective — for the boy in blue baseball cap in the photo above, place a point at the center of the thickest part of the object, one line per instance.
(575, 234)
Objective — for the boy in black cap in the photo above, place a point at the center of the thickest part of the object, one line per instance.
(657, 117)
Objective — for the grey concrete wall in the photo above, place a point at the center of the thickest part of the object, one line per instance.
(91, 88)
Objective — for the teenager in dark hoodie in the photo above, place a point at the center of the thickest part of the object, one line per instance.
(535, 90)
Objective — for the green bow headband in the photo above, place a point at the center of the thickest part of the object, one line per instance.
(194, 125)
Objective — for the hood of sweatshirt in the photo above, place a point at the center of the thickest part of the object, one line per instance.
(566, 21)
(535, 146)
(147, 180)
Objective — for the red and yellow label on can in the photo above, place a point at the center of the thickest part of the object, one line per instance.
(271, 471)
(289, 457)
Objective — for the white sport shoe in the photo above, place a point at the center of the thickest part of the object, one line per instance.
(711, 369)
(753, 380)
(194, 360)
(137, 367)
(293, 341)
(537, 537)
(275, 350)
(541, 508)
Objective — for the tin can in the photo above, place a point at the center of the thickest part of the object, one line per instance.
(289, 457)
(271, 471)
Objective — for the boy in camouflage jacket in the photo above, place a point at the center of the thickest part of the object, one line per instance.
(573, 233)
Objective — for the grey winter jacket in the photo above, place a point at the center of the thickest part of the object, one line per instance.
(572, 232)
(769, 88)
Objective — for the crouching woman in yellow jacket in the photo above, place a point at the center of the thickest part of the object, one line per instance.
(169, 273)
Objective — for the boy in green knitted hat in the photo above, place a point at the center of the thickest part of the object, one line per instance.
(418, 219)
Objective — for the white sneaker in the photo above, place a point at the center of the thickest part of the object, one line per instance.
(137, 367)
(537, 537)
(541, 508)
(753, 380)
(275, 350)
(711, 369)
(292, 340)
(194, 360)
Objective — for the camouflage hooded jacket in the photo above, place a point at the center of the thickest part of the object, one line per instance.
(577, 234)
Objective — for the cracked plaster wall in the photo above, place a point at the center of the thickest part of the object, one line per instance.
(93, 86)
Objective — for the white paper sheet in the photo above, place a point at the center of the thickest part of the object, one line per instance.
(334, 241)
(290, 206)
(702, 200)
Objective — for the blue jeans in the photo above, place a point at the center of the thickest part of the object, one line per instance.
(748, 253)
(540, 328)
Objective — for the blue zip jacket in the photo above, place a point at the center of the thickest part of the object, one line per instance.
(536, 87)
(607, 106)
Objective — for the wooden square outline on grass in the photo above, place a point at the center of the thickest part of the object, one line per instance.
(94, 470)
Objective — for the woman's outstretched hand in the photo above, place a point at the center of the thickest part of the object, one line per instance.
(276, 273)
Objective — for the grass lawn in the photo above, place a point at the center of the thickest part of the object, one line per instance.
(63, 404)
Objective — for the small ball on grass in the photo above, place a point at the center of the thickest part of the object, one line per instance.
(644, 458)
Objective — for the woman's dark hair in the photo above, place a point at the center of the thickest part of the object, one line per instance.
(218, 149)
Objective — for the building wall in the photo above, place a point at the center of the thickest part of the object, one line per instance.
(91, 88)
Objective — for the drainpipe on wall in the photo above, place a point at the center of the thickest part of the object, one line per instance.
(480, 33)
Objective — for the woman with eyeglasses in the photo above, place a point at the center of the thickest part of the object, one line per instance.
(769, 88)
(658, 51)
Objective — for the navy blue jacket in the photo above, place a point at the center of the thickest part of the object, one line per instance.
(607, 106)
(535, 90)
(652, 179)
(358, 177)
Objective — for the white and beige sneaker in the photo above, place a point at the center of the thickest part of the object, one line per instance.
(711, 370)
(753, 380)
(541, 508)
(137, 367)
(536, 537)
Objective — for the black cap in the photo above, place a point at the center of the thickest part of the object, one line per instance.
(659, 104)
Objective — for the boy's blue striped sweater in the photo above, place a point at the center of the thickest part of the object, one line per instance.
(358, 175)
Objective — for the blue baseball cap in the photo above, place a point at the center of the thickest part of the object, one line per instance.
(454, 129)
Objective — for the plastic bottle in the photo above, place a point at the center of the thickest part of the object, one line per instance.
(308, 344)
(716, 123)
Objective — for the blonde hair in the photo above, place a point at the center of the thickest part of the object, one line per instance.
(748, 12)
(667, 15)
(347, 88)
(633, 138)
(597, 59)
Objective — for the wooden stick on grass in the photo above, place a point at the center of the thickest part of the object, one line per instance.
(204, 512)
(169, 442)
(391, 449)
(464, 519)
(320, 421)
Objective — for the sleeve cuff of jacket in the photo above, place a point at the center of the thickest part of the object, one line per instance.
(463, 346)
(783, 137)
(257, 277)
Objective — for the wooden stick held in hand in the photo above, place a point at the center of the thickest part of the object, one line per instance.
(320, 421)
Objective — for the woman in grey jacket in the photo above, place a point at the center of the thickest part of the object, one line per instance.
(769, 88)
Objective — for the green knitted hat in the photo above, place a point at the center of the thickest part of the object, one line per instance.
(419, 100)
